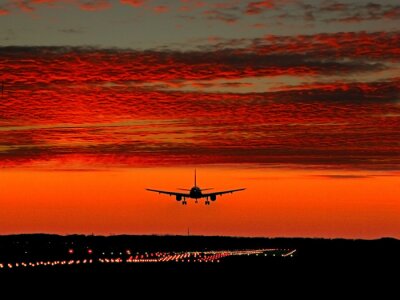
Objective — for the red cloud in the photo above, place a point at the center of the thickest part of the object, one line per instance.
(321, 125)
(392, 13)
(161, 9)
(113, 107)
(376, 45)
(134, 3)
(45, 1)
(88, 66)
(324, 54)
(95, 5)
(258, 25)
(4, 12)
(192, 5)
(29, 5)
(254, 8)
(24, 5)
(90, 5)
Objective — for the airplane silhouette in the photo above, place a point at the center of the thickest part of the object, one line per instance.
(196, 193)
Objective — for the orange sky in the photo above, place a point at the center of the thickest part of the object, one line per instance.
(277, 202)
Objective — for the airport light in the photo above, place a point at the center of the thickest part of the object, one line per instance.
(158, 257)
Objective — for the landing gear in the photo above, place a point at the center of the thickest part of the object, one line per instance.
(184, 202)
(207, 202)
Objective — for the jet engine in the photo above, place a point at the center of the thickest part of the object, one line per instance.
(213, 197)
(178, 197)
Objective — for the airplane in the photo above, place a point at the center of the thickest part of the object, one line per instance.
(196, 193)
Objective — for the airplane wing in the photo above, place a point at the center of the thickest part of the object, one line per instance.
(169, 193)
(221, 193)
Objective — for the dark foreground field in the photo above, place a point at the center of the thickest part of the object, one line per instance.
(193, 254)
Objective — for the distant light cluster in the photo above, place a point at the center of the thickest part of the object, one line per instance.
(152, 257)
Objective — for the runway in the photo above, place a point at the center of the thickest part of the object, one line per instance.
(159, 257)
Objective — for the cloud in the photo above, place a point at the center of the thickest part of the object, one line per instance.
(287, 11)
(355, 176)
(29, 6)
(333, 11)
(373, 45)
(275, 12)
(161, 9)
(119, 126)
(230, 12)
(92, 107)
(255, 8)
(333, 6)
(190, 6)
(380, 91)
(219, 15)
(95, 5)
(50, 2)
(87, 5)
(392, 13)
(344, 176)
(24, 5)
(134, 3)
(4, 12)
(314, 55)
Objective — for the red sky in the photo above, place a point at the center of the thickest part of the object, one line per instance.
(295, 100)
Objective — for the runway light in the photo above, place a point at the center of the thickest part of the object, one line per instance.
(160, 257)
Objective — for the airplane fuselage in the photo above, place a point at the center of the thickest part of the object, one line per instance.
(195, 192)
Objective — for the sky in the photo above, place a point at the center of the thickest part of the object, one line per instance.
(296, 100)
